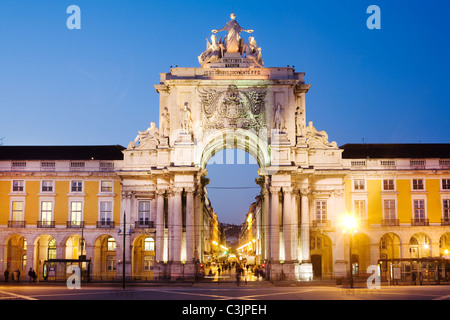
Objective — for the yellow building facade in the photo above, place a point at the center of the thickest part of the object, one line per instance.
(65, 205)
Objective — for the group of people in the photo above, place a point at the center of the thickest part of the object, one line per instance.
(241, 271)
(16, 275)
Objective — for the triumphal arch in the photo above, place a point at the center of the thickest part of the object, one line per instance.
(232, 100)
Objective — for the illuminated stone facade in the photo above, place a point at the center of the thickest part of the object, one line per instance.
(157, 185)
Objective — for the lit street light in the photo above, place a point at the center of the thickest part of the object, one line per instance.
(350, 225)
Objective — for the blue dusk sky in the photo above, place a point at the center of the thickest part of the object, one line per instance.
(94, 86)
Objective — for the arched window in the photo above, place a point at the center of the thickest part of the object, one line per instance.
(149, 244)
(111, 244)
(51, 251)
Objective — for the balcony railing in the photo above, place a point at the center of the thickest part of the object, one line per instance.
(75, 224)
(419, 222)
(389, 222)
(144, 224)
(321, 223)
(46, 224)
(445, 221)
(105, 224)
(16, 224)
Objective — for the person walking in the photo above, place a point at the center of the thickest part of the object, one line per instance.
(6, 274)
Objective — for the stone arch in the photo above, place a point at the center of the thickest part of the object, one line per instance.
(360, 253)
(322, 255)
(218, 140)
(390, 246)
(420, 245)
(72, 246)
(105, 263)
(15, 254)
(444, 244)
(143, 257)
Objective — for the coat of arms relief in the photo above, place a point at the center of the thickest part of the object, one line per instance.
(233, 109)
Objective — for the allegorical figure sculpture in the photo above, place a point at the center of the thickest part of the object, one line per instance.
(318, 138)
(252, 52)
(214, 51)
(147, 138)
(233, 38)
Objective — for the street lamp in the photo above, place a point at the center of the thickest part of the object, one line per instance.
(350, 225)
(123, 251)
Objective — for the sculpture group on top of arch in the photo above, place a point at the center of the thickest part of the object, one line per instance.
(232, 46)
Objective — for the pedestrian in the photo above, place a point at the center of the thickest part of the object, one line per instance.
(413, 278)
(34, 276)
(17, 273)
(30, 275)
(6, 274)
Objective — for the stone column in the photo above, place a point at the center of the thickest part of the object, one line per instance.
(305, 268)
(159, 225)
(287, 223)
(265, 223)
(274, 225)
(294, 223)
(305, 225)
(177, 225)
(190, 224)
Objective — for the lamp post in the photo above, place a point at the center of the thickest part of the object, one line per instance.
(123, 250)
(350, 225)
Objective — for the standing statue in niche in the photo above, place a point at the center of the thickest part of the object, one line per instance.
(278, 118)
(299, 122)
(186, 120)
(164, 123)
(233, 38)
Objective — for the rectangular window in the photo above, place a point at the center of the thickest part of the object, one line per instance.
(105, 212)
(18, 186)
(17, 211)
(149, 262)
(77, 166)
(446, 206)
(46, 212)
(321, 210)
(419, 209)
(106, 186)
(110, 263)
(76, 186)
(75, 212)
(47, 186)
(418, 184)
(445, 184)
(48, 165)
(388, 185)
(389, 209)
(144, 212)
(359, 184)
(360, 209)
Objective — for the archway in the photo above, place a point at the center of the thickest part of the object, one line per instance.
(73, 247)
(143, 257)
(16, 253)
(232, 158)
(420, 246)
(444, 244)
(321, 256)
(105, 263)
